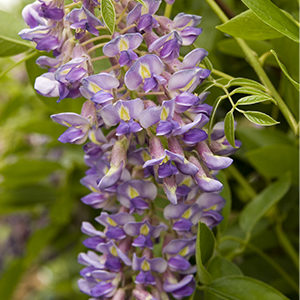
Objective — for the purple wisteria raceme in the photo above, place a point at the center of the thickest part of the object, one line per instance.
(151, 169)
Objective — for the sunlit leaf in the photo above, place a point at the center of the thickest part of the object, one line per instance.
(270, 14)
(108, 14)
(248, 26)
(259, 118)
(253, 100)
(285, 72)
(229, 128)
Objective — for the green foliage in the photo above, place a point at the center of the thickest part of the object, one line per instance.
(204, 250)
(249, 27)
(270, 14)
(229, 128)
(242, 288)
(10, 42)
(108, 14)
(263, 202)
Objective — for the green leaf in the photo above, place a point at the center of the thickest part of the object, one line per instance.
(10, 42)
(108, 14)
(259, 118)
(284, 70)
(253, 212)
(249, 27)
(220, 267)
(229, 128)
(270, 14)
(274, 160)
(204, 249)
(253, 99)
(243, 288)
(245, 82)
(226, 194)
(248, 90)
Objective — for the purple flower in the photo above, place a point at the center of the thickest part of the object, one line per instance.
(134, 194)
(146, 267)
(124, 45)
(146, 70)
(169, 46)
(83, 20)
(123, 113)
(213, 162)
(114, 224)
(78, 130)
(45, 38)
(163, 116)
(143, 15)
(186, 215)
(144, 232)
(184, 25)
(69, 76)
(98, 88)
(47, 86)
(187, 79)
(114, 256)
(185, 287)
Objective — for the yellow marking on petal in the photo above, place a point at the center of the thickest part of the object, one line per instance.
(164, 114)
(123, 44)
(144, 230)
(184, 251)
(188, 24)
(111, 222)
(113, 251)
(93, 189)
(165, 160)
(187, 214)
(132, 192)
(189, 84)
(187, 181)
(124, 113)
(66, 123)
(145, 71)
(214, 207)
(111, 171)
(92, 136)
(145, 266)
(82, 15)
(145, 8)
(94, 87)
(65, 71)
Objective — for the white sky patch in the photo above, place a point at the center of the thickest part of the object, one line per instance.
(7, 5)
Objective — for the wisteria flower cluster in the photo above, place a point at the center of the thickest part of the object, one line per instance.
(152, 171)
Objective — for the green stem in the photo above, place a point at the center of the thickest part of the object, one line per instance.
(235, 173)
(286, 244)
(271, 262)
(168, 10)
(254, 62)
(30, 55)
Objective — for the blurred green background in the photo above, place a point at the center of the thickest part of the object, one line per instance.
(40, 207)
